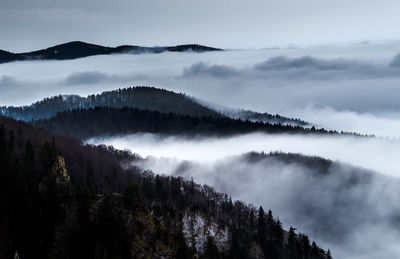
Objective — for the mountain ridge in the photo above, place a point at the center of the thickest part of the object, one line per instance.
(80, 49)
(141, 97)
(107, 121)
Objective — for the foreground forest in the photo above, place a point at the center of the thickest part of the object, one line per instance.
(63, 199)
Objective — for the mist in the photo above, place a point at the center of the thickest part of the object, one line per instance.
(377, 154)
(343, 209)
(352, 87)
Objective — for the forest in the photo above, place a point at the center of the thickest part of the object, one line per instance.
(148, 98)
(105, 121)
(63, 199)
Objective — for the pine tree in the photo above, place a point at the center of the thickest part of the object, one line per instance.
(131, 195)
(328, 254)
(305, 242)
(291, 245)
(11, 141)
(210, 249)
(3, 147)
(182, 250)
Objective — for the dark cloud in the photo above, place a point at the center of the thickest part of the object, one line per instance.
(306, 67)
(203, 69)
(285, 63)
(89, 77)
(395, 61)
(8, 81)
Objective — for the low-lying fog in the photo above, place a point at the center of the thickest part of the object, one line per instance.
(351, 211)
(377, 154)
(350, 88)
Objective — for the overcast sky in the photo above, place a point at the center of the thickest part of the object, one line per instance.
(32, 24)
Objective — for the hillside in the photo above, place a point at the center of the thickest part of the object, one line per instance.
(79, 49)
(262, 117)
(6, 56)
(59, 200)
(136, 97)
(105, 121)
(148, 98)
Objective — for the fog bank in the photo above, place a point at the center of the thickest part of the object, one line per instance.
(351, 211)
(377, 154)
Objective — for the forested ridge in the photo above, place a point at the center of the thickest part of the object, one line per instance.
(149, 98)
(140, 97)
(105, 121)
(63, 199)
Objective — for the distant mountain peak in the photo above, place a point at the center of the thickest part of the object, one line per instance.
(80, 49)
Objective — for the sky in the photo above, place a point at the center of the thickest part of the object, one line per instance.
(33, 24)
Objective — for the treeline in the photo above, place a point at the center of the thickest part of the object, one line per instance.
(148, 98)
(318, 164)
(264, 117)
(51, 207)
(99, 121)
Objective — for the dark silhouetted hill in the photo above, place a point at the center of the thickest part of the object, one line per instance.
(79, 49)
(106, 121)
(136, 97)
(148, 98)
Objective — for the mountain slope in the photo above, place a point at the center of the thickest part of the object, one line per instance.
(49, 210)
(262, 117)
(136, 97)
(79, 49)
(148, 98)
(6, 56)
(106, 121)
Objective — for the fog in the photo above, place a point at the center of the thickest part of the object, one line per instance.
(377, 154)
(344, 210)
(348, 87)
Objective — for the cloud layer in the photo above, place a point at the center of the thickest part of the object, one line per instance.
(344, 209)
(305, 68)
(377, 154)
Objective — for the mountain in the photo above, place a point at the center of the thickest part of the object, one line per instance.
(106, 121)
(262, 117)
(148, 98)
(136, 97)
(6, 56)
(62, 199)
(79, 49)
